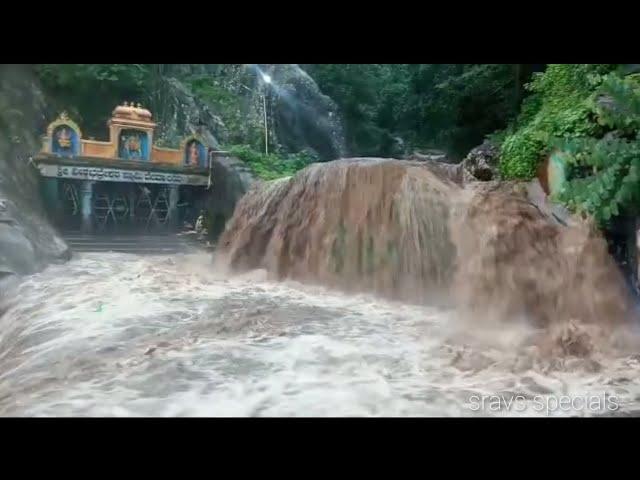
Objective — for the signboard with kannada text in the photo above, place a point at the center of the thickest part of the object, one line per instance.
(101, 174)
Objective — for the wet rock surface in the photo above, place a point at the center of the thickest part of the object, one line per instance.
(27, 241)
(482, 162)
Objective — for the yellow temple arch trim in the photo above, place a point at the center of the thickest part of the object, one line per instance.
(124, 117)
(63, 119)
(186, 140)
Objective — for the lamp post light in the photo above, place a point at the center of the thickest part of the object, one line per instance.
(267, 81)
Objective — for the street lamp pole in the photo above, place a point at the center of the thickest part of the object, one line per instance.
(266, 131)
(267, 80)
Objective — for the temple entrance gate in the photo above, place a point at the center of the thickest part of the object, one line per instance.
(139, 208)
(125, 184)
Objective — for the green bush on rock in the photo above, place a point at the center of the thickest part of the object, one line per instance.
(560, 105)
(273, 165)
(607, 169)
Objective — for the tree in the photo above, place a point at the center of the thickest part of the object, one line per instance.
(610, 166)
(446, 106)
(75, 88)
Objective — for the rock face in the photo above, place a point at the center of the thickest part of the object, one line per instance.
(231, 179)
(305, 118)
(27, 241)
(300, 117)
(184, 113)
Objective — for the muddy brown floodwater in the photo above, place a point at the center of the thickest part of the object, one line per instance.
(126, 335)
(437, 299)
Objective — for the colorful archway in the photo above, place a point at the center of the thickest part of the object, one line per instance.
(194, 152)
(64, 136)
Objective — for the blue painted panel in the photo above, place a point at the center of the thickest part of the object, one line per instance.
(65, 141)
(133, 145)
(195, 154)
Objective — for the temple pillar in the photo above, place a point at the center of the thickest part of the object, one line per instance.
(636, 255)
(132, 204)
(174, 195)
(86, 195)
(52, 198)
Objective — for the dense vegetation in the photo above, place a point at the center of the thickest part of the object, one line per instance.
(443, 106)
(590, 114)
(560, 105)
(88, 92)
(391, 110)
(386, 109)
(271, 166)
(606, 169)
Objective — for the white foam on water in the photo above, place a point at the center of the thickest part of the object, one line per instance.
(127, 335)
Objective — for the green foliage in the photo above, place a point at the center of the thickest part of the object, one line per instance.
(560, 105)
(610, 166)
(520, 154)
(68, 75)
(618, 103)
(84, 90)
(363, 93)
(227, 103)
(445, 106)
(272, 166)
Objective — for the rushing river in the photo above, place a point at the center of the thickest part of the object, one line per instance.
(127, 335)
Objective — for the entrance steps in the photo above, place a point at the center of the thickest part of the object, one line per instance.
(138, 244)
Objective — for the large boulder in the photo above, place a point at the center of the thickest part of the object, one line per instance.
(231, 179)
(482, 162)
(27, 242)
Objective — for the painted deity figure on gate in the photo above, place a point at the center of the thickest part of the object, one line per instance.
(133, 146)
(194, 154)
(64, 138)
(65, 141)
